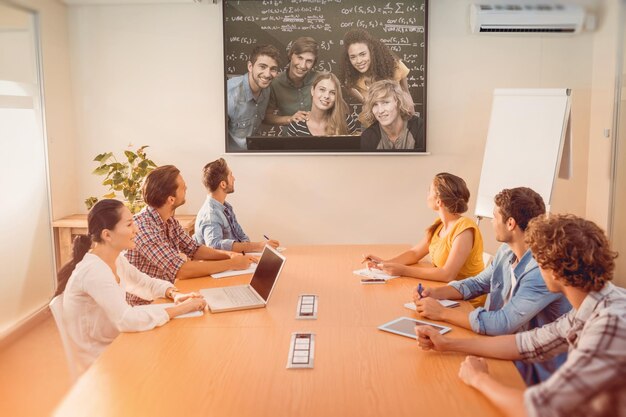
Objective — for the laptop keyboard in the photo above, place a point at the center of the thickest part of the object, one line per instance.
(241, 296)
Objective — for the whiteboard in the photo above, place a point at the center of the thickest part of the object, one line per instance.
(524, 143)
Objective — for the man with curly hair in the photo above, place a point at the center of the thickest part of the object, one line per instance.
(575, 259)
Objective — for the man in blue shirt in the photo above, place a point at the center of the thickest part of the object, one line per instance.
(518, 297)
(248, 95)
(216, 223)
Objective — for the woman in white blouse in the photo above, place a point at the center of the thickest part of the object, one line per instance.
(95, 310)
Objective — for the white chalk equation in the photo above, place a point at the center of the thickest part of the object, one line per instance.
(294, 27)
(400, 25)
(389, 8)
(243, 40)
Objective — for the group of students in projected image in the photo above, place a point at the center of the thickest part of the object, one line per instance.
(551, 307)
(301, 101)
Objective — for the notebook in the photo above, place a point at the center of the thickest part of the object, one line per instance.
(253, 295)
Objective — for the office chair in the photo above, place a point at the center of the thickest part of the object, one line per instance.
(56, 307)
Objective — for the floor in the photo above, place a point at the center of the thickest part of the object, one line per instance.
(33, 372)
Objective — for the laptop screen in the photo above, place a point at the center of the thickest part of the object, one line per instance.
(267, 272)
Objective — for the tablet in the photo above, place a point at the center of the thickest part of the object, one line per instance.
(405, 326)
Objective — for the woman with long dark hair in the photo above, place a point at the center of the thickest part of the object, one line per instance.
(366, 60)
(95, 283)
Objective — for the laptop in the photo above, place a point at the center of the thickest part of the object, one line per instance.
(254, 295)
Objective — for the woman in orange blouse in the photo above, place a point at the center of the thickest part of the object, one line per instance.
(453, 241)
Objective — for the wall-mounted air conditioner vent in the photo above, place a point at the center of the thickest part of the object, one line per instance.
(527, 18)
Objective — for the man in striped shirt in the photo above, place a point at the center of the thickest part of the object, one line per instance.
(163, 249)
(574, 258)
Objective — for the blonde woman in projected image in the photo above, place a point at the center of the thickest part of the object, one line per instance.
(453, 241)
(329, 112)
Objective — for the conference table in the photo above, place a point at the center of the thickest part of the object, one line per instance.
(234, 363)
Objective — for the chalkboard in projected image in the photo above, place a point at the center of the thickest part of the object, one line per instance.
(286, 107)
(527, 132)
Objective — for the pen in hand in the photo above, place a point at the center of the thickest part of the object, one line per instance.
(420, 289)
(266, 238)
(372, 260)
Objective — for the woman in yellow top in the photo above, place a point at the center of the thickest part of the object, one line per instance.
(454, 242)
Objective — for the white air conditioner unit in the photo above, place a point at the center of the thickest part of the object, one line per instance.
(526, 18)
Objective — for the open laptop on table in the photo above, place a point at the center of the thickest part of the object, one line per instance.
(254, 295)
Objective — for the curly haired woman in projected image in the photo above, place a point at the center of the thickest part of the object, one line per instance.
(366, 60)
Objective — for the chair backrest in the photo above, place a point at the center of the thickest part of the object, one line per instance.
(56, 307)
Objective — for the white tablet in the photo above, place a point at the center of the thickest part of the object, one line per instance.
(405, 326)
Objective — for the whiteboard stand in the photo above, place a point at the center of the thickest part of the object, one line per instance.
(527, 133)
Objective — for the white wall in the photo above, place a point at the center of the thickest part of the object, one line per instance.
(618, 232)
(153, 75)
(604, 60)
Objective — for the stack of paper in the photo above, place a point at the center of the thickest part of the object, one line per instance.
(233, 272)
(374, 273)
(166, 305)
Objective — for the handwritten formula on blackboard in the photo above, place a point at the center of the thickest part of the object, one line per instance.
(400, 25)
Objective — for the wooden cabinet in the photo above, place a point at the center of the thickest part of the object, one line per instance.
(66, 228)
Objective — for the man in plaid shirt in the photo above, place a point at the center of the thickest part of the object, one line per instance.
(575, 258)
(163, 249)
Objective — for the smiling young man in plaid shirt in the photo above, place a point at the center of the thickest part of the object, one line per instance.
(575, 258)
(163, 249)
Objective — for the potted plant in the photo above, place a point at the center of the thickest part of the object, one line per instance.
(125, 177)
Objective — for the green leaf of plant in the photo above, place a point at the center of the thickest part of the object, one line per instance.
(101, 170)
(90, 202)
(99, 158)
(103, 157)
(124, 177)
(131, 156)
